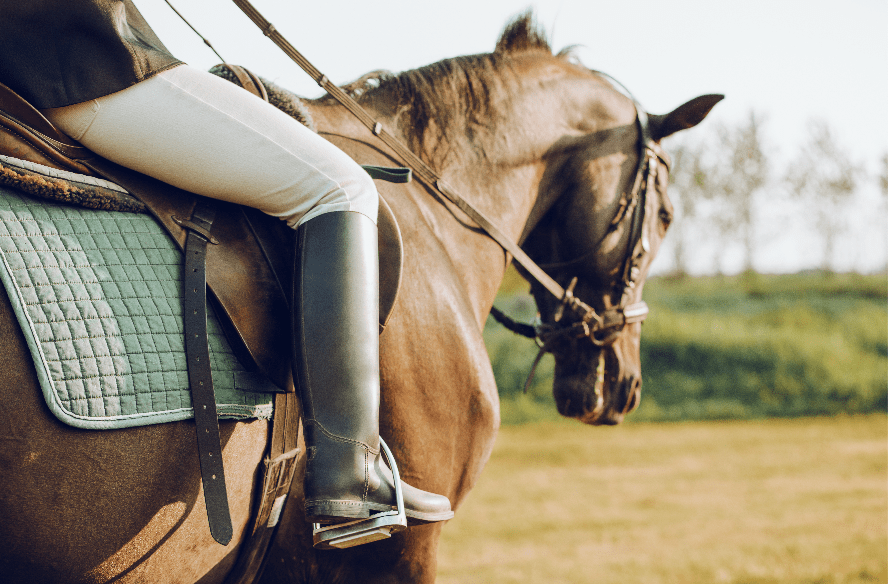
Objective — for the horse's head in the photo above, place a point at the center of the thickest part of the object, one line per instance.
(596, 208)
(603, 213)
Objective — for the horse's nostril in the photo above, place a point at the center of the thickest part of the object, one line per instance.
(633, 397)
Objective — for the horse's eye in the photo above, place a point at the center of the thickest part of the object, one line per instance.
(666, 217)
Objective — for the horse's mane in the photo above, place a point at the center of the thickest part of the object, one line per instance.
(461, 92)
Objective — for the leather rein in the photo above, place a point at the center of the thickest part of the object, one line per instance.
(601, 329)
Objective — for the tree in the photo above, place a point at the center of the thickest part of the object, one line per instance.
(823, 175)
(687, 188)
(740, 170)
(883, 188)
(883, 176)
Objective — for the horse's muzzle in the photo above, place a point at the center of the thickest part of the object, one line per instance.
(624, 399)
(596, 395)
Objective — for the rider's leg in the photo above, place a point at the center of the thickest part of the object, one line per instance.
(337, 369)
(204, 134)
(201, 133)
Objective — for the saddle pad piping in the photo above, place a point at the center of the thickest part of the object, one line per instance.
(62, 174)
(47, 366)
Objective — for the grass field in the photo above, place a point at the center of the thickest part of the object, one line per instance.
(796, 501)
(738, 347)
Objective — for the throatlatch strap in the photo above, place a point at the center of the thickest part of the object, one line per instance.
(200, 377)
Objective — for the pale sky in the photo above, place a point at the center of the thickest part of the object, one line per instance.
(790, 60)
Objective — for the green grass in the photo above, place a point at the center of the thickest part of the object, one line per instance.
(790, 501)
(742, 347)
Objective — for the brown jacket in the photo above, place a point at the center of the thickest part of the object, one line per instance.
(61, 52)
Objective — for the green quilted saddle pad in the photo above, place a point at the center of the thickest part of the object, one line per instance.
(98, 297)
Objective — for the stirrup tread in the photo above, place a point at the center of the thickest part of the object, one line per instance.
(340, 511)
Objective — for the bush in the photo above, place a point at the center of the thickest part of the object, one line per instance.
(738, 347)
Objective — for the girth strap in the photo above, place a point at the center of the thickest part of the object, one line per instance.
(200, 377)
(279, 469)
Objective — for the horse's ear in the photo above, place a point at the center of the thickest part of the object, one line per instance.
(683, 117)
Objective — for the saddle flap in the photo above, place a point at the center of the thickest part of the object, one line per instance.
(275, 240)
(391, 255)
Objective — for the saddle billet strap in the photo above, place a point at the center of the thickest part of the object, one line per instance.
(200, 377)
(248, 80)
(392, 174)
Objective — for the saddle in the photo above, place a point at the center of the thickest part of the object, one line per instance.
(253, 259)
(245, 259)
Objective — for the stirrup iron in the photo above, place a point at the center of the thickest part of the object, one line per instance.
(377, 527)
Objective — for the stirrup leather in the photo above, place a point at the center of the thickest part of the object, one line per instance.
(379, 526)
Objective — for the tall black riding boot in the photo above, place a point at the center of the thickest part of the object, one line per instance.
(336, 333)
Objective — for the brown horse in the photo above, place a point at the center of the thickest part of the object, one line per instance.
(536, 141)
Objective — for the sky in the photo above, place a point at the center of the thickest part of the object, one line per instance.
(790, 60)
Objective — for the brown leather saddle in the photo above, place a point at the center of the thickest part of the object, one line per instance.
(248, 272)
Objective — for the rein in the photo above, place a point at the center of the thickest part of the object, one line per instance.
(602, 329)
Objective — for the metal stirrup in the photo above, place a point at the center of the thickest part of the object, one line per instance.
(379, 526)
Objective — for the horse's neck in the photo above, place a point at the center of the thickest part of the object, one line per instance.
(505, 197)
(503, 192)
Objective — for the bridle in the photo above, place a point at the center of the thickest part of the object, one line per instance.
(605, 328)
(602, 329)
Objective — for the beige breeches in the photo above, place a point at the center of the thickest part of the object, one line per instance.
(203, 134)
